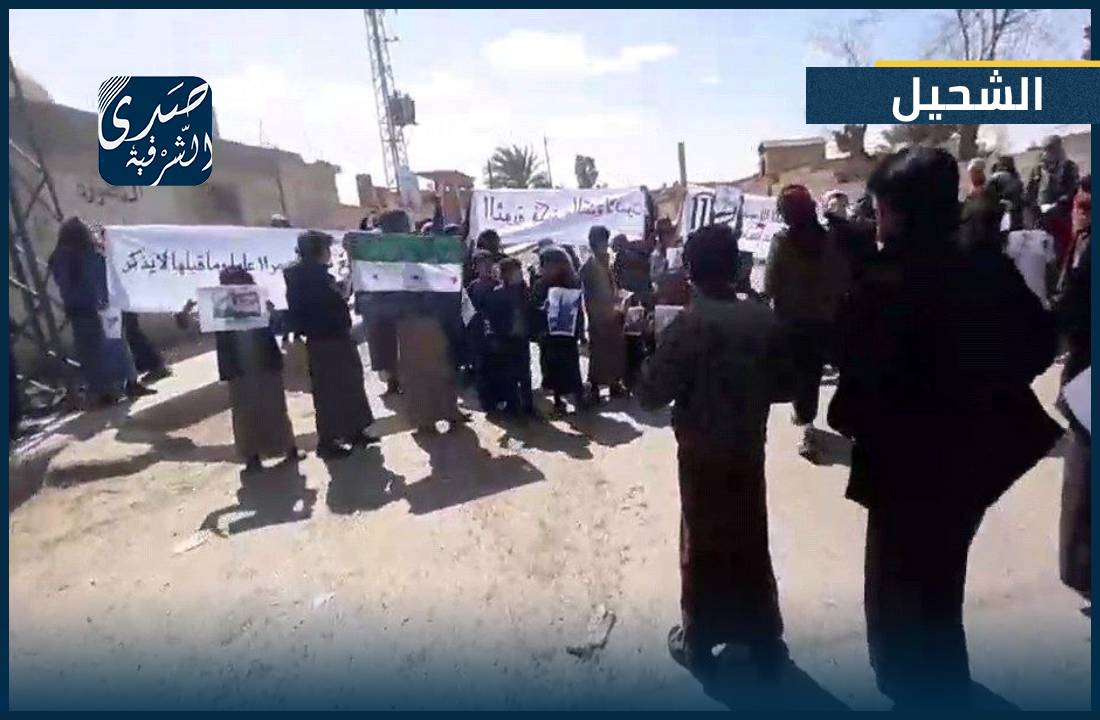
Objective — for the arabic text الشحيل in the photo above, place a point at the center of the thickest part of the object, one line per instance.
(991, 99)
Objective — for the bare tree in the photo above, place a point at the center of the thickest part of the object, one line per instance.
(989, 34)
(986, 35)
(851, 44)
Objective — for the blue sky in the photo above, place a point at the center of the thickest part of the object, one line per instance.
(621, 86)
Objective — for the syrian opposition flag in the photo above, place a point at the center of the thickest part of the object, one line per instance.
(406, 263)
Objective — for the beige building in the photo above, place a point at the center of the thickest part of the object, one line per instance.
(778, 156)
(454, 189)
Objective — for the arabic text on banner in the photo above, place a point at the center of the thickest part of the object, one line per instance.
(406, 263)
(719, 204)
(563, 215)
(158, 268)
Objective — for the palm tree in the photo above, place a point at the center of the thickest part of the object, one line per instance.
(515, 167)
(587, 174)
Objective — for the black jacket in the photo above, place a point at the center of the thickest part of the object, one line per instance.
(937, 354)
(1075, 313)
(315, 306)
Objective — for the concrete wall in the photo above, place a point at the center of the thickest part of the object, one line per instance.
(248, 184)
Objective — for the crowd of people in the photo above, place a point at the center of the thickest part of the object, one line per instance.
(935, 315)
(936, 338)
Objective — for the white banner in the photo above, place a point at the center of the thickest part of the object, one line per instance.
(158, 268)
(760, 225)
(232, 307)
(564, 216)
(707, 206)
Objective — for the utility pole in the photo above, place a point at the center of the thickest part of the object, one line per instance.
(546, 152)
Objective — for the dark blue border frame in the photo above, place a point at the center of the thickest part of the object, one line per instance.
(1096, 146)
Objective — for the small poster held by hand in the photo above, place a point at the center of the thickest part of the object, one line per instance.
(232, 307)
(634, 321)
(675, 257)
(663, 315)
(111, 318)
(563, 305)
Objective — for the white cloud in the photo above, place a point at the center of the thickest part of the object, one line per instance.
(565, 54)
(711, 79)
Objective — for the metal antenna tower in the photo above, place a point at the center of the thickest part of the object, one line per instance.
(392, 114)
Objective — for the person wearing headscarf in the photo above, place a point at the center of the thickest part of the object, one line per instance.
(505, 368)
(980, 222)
(252, 364)
(1052, 185)
(666, 267)
(478, 333)
(630, 268)
(1080, 227)
(806, 276)
(80, 271)
(630, 273)
(558, 344)
(379, 312)
(938, 350)
(1008, 188)
(607, 344)
(1074, 311)
(318, 310)
(489, 242)
(721, 363)
(854, 236)
(429, 334)
(835, 202)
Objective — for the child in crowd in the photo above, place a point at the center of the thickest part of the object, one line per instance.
(558, 321)
(508, 352)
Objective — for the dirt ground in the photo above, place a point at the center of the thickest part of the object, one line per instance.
(455, 571)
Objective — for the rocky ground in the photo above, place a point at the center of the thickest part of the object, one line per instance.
(488, 566)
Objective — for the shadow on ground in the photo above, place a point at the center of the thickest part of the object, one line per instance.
(462, 470)
(275, 496)
(739, 686)
(361, 482)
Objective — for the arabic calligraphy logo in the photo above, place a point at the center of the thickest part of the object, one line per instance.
(155, 131)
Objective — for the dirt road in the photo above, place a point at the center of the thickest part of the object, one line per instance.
(455, 571)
